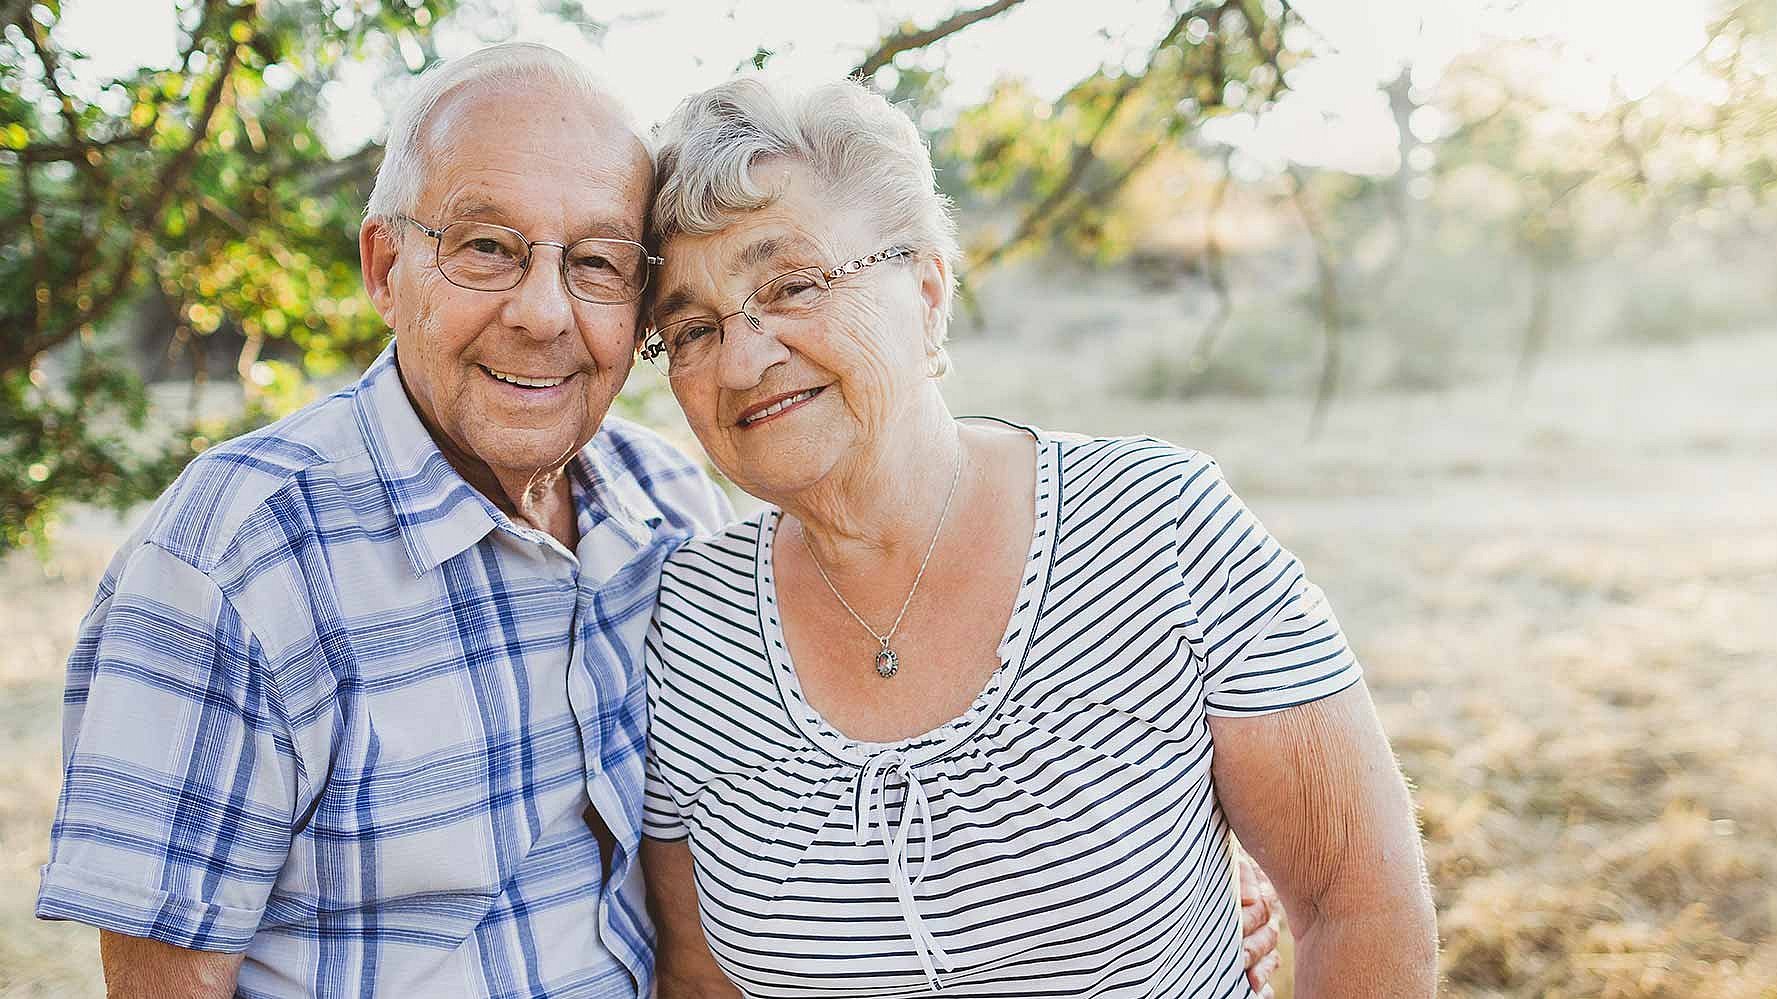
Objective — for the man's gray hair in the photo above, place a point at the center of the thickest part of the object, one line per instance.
(864, 151)
(521, 65)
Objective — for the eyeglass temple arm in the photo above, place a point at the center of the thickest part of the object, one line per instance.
(854, 266)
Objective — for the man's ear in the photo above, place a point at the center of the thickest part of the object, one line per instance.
(377, 250)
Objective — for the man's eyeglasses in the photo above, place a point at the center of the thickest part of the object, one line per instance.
(686, 346)
(482, 256)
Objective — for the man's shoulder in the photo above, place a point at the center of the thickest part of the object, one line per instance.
(670, 479)
(200, 517)
(638, 450)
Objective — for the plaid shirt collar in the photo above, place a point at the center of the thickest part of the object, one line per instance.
(439, 513)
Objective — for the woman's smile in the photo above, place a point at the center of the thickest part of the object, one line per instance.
(767, 410)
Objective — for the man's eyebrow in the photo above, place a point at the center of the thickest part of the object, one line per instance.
(474, 209)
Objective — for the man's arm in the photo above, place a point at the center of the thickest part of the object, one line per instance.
(1314, 793)
(176, 802)
(1261, 915)
(148, 969)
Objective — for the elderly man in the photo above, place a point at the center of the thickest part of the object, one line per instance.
(359, 709)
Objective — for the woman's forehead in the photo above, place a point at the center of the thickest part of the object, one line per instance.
(700, 270)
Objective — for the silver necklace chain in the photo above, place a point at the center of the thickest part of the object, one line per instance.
(887, 662)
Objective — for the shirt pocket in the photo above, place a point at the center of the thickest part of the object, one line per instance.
(424, 798)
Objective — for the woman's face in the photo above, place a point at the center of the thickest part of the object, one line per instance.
(847, 372)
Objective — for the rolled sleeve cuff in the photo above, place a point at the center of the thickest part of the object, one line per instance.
(83, 897)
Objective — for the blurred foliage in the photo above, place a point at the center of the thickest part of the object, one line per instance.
(202, 197)
(205, 185)
(1062, 166)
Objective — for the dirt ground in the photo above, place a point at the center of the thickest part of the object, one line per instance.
(1565, 604)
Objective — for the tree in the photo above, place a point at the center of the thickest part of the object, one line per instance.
(205, 186)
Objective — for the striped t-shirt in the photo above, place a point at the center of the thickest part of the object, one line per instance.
(1059, 838)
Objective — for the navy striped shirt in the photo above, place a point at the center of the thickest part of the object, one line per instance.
(1059, 838)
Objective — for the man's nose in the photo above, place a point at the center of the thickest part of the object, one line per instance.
(747, 351)
(541, 305)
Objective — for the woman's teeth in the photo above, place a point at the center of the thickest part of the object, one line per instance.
(521, 380)
(779, 406)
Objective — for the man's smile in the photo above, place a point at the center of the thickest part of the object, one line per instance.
(525, 381)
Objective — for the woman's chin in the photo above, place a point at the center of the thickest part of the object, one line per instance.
(779, 470)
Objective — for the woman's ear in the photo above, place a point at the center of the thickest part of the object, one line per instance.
(934, 292)
(934, 295)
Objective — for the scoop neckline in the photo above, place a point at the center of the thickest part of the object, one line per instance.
(1014, 641)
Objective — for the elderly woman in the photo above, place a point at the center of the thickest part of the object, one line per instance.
(971, 706)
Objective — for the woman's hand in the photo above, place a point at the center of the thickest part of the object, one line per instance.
(684, 968)
(1314, 794)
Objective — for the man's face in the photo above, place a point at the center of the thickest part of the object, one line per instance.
(554, 168)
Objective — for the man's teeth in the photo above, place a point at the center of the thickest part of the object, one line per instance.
(781, 405)
(526, 382)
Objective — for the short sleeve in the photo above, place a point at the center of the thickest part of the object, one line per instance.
(1265, 637)
(175, 811)
(661, 817)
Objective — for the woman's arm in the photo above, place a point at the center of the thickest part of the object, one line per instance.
(1314, 794)
(684, 968)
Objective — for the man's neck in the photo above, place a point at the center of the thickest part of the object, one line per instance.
(542, 499)
(538, 498)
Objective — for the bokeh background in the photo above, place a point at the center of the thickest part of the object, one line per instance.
(1476, 301)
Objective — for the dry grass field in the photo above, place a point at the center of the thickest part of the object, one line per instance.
(1566, 604)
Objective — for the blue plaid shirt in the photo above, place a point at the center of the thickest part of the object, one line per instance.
(334, 709)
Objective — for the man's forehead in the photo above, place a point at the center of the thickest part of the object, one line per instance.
(500, 131)
(583, 175)
(593, 217)
(552, 106)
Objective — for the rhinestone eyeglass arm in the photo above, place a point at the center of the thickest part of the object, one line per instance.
(854, 266)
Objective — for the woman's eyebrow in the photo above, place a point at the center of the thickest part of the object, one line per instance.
(779, 248)
(672, 302)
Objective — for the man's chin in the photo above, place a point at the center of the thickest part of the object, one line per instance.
(542, 452)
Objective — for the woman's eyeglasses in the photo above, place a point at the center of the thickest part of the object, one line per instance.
(685, 346)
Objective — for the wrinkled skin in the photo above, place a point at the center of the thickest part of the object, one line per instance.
(555, 168)
(866, 351)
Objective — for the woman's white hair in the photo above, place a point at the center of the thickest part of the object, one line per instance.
(864, 151)
(523, 66)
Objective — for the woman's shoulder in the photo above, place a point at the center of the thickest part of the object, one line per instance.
(721, 562)
(738, 540)
(1125, 460)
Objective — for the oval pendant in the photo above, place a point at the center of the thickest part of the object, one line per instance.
(887, 663)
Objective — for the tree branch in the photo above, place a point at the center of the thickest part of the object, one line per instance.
(1331, 319)
(358, 169)
(38, 35)
(1215, 266)
(170, 177)
(907, 40)
(1084, 153)
(76, 151)
(39, 243)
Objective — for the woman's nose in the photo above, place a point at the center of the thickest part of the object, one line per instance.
(748, 353)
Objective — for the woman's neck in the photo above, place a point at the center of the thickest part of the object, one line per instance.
(882, 508)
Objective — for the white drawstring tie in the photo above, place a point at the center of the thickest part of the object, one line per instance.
(870, 807)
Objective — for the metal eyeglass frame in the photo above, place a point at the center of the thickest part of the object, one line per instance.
(649, 261)
(654, 345)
